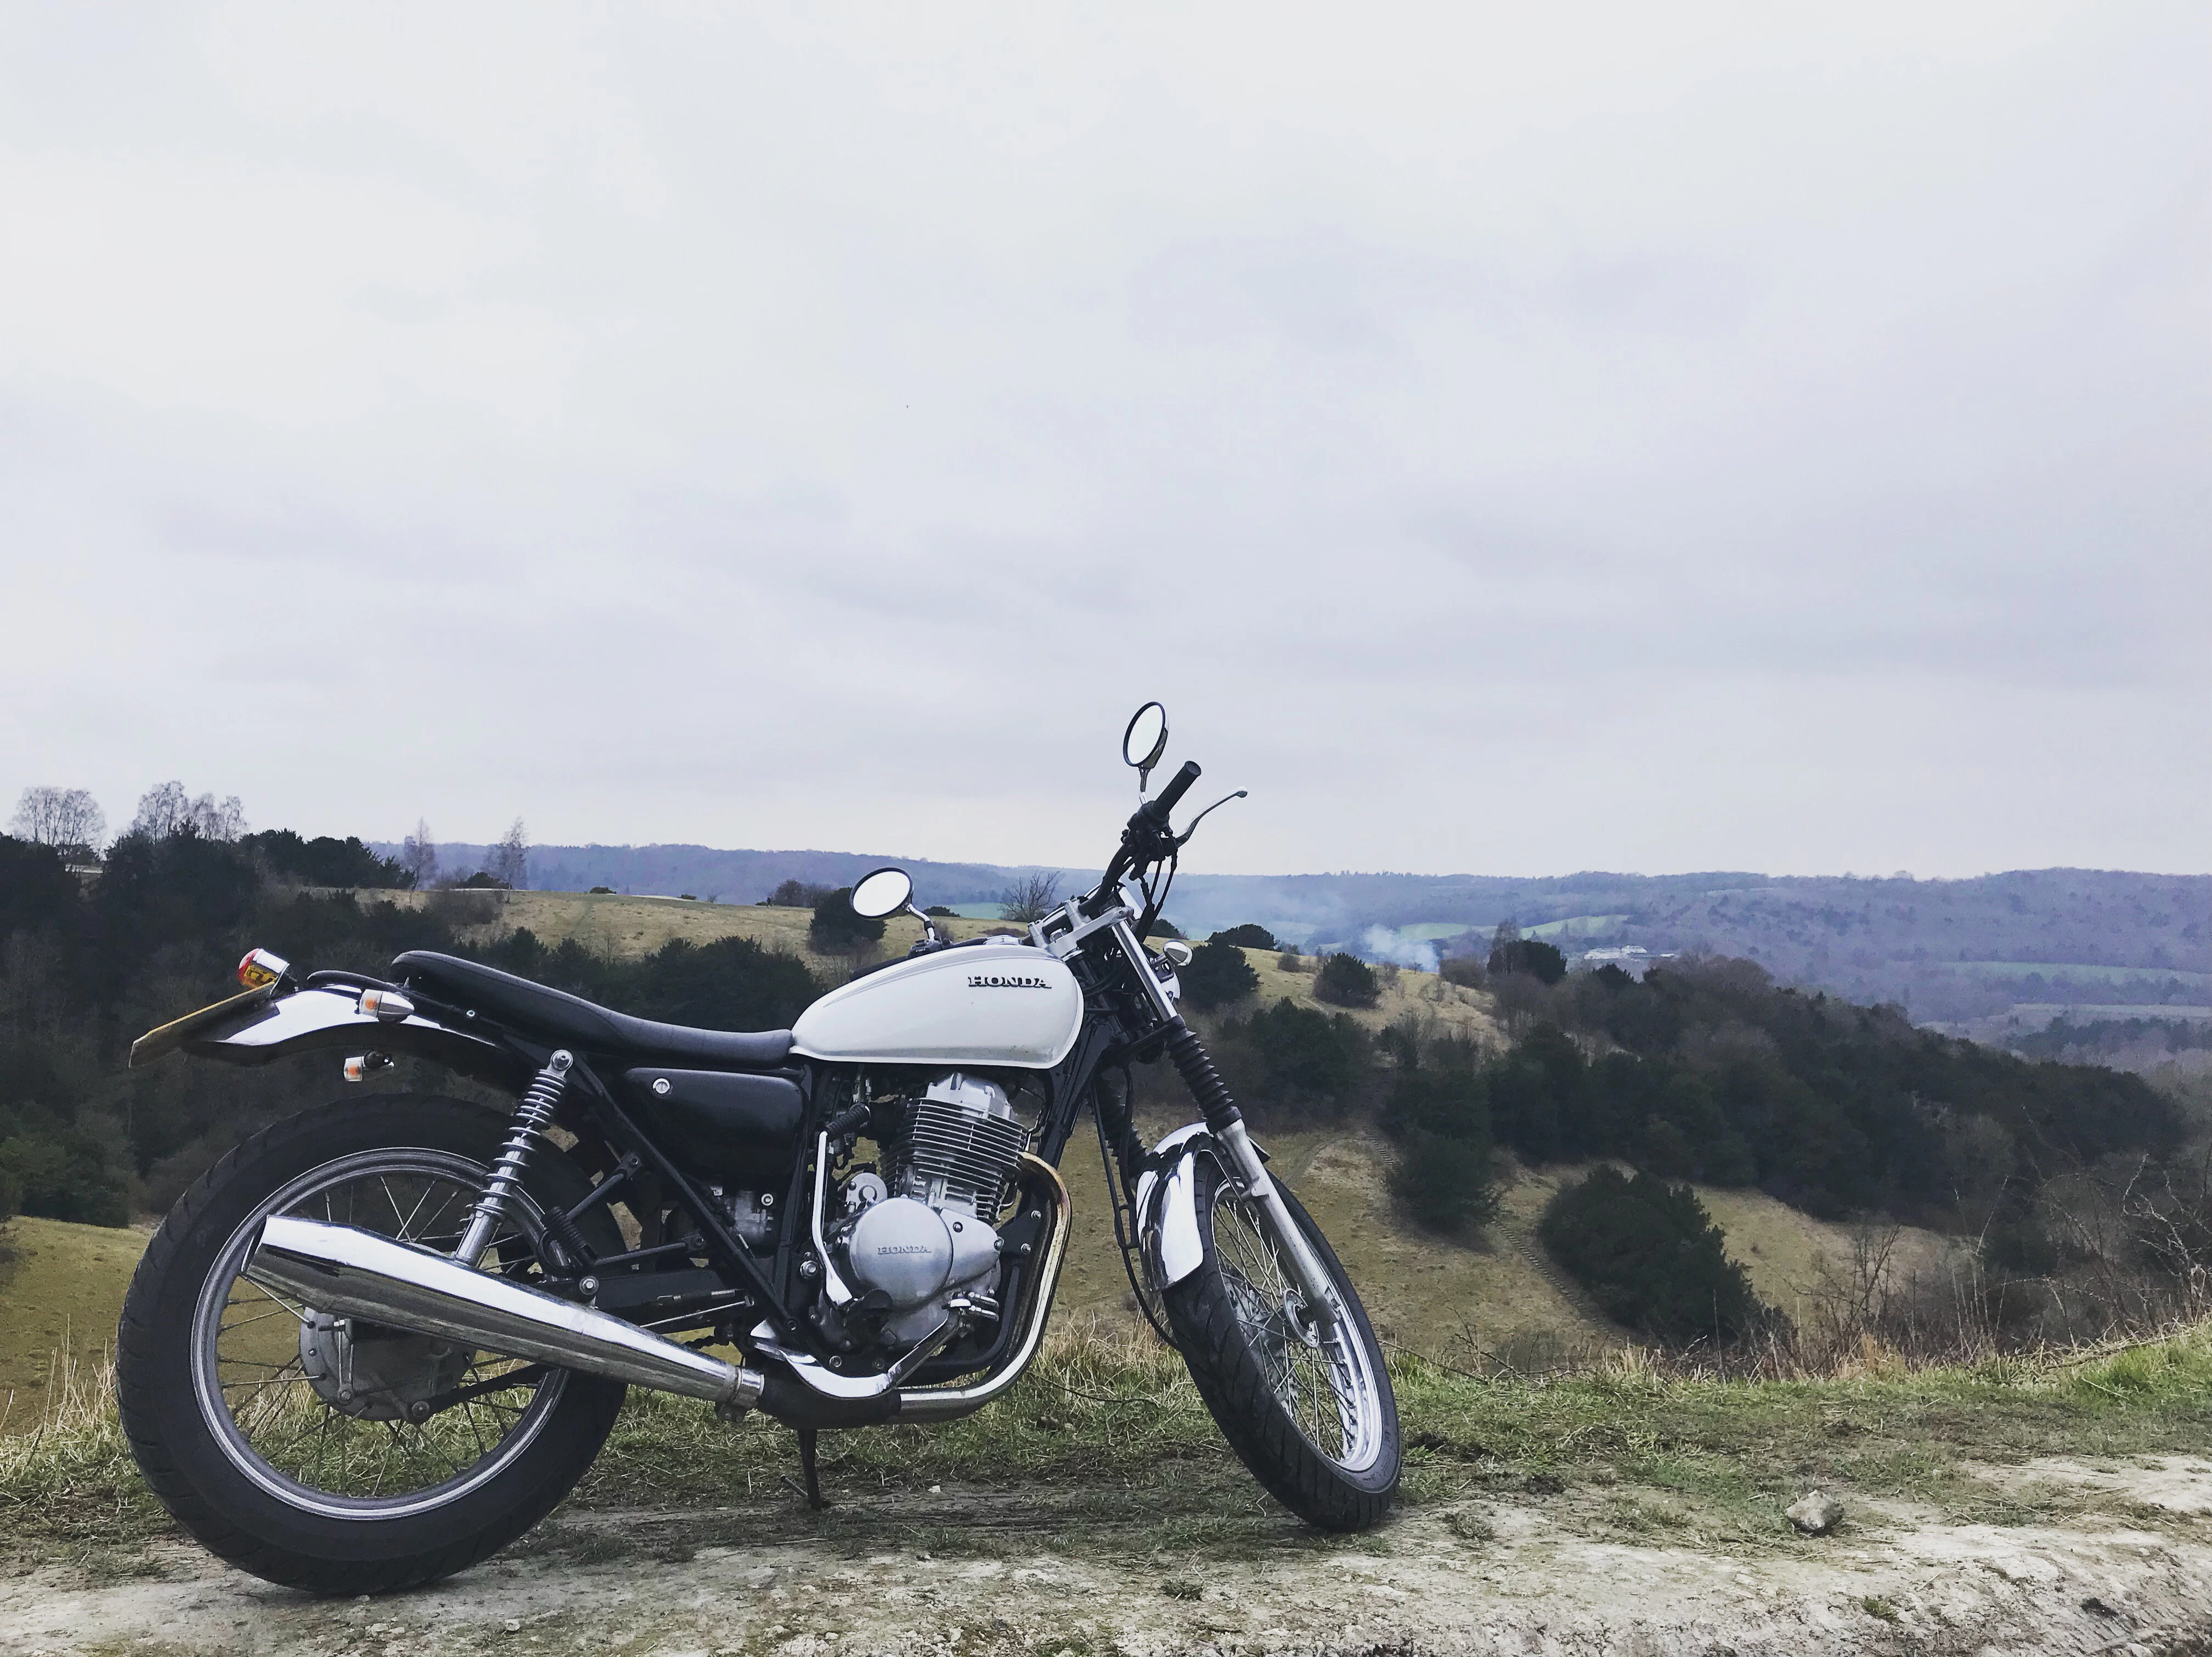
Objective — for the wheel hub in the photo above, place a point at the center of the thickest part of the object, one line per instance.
(375, 1374)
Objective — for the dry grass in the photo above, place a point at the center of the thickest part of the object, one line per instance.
(1663, 1447)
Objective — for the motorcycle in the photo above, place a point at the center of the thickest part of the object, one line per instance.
(381, 1339)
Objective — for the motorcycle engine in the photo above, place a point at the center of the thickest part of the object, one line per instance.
(922, 1233)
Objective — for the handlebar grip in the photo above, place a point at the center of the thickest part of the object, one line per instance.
(1177, 788)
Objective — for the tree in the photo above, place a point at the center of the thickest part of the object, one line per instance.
(835, 930)
(510, 859)
(1031, 898)
(1249, 936)
(795, 895)
(1652, 1257)
(167, 809)
(68, 819)
(418, 855)
(1218, 974)
(1509, 952)
(1346, 980)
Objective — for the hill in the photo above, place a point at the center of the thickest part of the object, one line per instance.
(2010, 951)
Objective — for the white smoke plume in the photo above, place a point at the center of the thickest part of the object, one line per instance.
(1380, 943)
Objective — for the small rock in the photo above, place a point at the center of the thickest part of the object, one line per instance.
(1816, 1514)
(512, 1625)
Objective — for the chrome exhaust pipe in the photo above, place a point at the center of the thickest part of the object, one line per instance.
(359, 1274)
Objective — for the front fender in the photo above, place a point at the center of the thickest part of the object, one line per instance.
(259, 1026)
(1166, 1206)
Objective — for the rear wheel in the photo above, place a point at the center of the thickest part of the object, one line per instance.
(1311, 1415)
(325, 1454)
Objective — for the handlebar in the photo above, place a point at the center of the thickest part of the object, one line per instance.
(1148, 837)
(1177, 788)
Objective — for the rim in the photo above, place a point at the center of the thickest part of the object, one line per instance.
(1327, 1387)
(286, 1433)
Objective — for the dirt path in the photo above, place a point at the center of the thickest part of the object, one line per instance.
(2128, 1571)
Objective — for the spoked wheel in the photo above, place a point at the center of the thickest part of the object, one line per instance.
(1310, 1413)
(326, 1451)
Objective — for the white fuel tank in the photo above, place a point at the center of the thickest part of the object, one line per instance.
(983, 1004)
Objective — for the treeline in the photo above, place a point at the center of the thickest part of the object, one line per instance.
(1708, 1071)
(85, 969)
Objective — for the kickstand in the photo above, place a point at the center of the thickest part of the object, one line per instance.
(808, 1466)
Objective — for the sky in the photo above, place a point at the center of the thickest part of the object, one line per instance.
(1510, 439)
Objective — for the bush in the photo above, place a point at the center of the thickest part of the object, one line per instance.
(939, 912)
(1652, 1257)
(1218, 974)
(603, 891)
(1346, 980)
(1291, 961)
(1249, 936)
(1466, 970)
(796, 894)
(1445, 1184)
(1541, 960)
(65, 1177)
(1297, 1059)
(1440, 1117)
(835, 930)
(1162, 927)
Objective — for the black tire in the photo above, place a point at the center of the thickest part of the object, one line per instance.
(197, 1474)
(1233, 1376)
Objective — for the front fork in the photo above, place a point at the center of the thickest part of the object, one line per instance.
(1227, 1124)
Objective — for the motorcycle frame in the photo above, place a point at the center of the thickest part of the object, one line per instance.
(770, 1297)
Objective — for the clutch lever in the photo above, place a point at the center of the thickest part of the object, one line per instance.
(1183, 839)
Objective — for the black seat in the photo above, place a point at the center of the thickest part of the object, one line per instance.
(582, 1023)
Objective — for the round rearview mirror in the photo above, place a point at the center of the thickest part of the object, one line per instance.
(884, 892)
(1146, 739)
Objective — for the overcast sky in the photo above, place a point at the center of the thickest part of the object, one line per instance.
(1513, 439)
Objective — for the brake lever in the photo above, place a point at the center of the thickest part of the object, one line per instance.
(1183, 839)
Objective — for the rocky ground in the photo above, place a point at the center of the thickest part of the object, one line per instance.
(2125, 1566)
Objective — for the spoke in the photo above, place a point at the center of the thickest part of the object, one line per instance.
(393, 1200)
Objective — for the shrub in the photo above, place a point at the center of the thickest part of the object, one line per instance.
(1346, 980)
(1218, 974)
(1541, 960)
(1249, 936)
(1162, 927)
(65, 1177)
(1650, 1256)
(1463, 969)
(1294, 1058)
(835, 930)
(1291, 961)
(1445, 1184)
(796, 894)
(939, 912)
(603, 891)
(1440, 1117)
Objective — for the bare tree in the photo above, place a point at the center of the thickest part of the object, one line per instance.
(510, 859)
(69, 819)
(418, 855)
(1031, 898)
(168, 809)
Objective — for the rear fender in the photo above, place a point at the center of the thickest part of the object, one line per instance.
(263, 1025)
(1166, 1206)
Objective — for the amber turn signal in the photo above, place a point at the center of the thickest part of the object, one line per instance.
(259, 968)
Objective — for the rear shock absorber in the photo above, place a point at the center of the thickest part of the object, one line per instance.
(533, 1116)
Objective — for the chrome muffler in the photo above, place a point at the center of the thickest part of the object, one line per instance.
(359, 1274)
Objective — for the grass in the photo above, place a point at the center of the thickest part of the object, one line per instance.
(1105, 1442)
(61, 1292)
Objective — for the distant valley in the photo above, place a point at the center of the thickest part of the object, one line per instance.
(1995, 956)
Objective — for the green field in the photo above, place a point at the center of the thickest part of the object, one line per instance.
(2049, 969)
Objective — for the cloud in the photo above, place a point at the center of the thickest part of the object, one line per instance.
(1509, 441)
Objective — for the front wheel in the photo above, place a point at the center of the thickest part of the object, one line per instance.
(1312, 1416)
